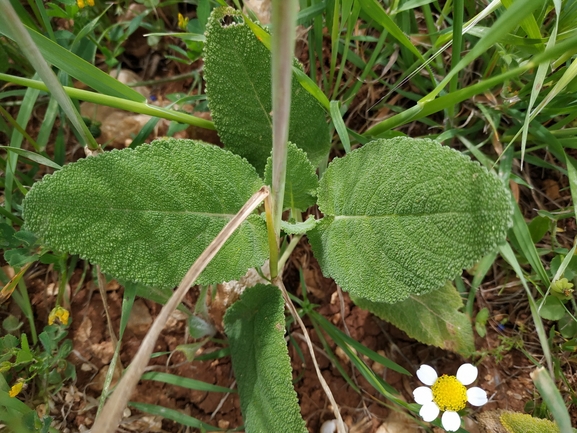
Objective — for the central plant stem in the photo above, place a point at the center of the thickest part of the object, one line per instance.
(284, 13)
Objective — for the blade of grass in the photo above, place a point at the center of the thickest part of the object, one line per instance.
(174, 415)
(340, 126)
(426, 107)
(185, 382)
(458, 11)
(16, 142)
(523, 237)
(335, 32)
(28, 46)
(552, 397)
(539, 78)
(507, 254)
(111, 101)
(504, 24)
(351, 21)
(75, 66)
(374, 10)
(32, 156)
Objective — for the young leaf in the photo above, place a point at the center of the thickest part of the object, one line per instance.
(146, 214)
(403, 216)
(432, 319)
(516, 422)
(238, 86)
(301, 179)
(255, 326)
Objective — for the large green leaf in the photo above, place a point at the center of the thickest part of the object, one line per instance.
(301, 179)
(238, 86)
(255, 326)
(146, 214)
(403, 216)
(432, 319)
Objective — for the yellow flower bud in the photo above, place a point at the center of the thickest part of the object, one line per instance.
(59, 313)
(15, 390)
(182, 21)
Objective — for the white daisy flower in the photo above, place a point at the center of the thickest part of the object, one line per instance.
(447, 394)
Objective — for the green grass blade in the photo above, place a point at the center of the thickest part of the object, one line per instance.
(185, 382)
(351, 21)
(340, 337)
(32, 156)
(173, 415)
(504, 24)
(374, 10)
(14, 26)
(335, 31)
(47, 124)
(528, 23)
(509, 256)
(16, 141)
(552, 397)
(111, 101)
(77, 67)
(340, 126)
(539, 78)
(425, 108)
(458, 11)
(523, 237)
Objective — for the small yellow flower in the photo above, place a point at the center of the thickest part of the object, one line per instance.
(15, 390)
(81, 3)
(182, 21)
(59, 313)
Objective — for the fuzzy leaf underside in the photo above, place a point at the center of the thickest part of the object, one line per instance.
(433, 318)
(238, 86)
(145, 215)
(255, 327)
(403, 216)
(301, 179)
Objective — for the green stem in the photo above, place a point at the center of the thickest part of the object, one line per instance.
(284, 14)
(112, 101)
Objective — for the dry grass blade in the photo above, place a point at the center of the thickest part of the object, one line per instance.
(110, 416)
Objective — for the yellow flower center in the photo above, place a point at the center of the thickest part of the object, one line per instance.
(449, 393)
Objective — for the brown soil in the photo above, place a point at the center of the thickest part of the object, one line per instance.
(503, 373)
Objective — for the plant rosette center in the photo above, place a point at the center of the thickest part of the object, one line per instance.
(449, 393)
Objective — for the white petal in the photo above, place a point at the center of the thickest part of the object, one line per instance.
(427, 374)
(329, 426)
(467, 373)
(476, 396)
(451, 421)
(429, 412)
(423, 395)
